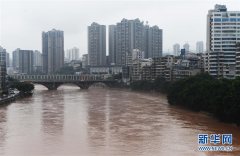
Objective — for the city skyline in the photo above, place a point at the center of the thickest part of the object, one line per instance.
(30, 17)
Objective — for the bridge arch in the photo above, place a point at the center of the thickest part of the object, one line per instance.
(34, 83)
(50, 85)
(80, 85)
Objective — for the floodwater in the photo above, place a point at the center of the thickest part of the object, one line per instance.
(104, 122)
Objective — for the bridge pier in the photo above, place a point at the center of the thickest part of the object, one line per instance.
(84, 85)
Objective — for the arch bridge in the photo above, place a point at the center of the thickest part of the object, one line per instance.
(52, 82)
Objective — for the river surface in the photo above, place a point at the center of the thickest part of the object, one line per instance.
(104, 122)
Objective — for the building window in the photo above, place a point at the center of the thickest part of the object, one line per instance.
(225, 19)
(233, 19)
(232, 14)
(217, 19)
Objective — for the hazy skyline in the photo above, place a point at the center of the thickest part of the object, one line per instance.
(22, 21)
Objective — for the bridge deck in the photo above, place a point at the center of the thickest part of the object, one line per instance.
(59, 78)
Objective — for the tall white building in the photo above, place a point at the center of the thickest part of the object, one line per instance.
(223, 32)
(186, 47)
(176, 49)
(199, 47)
(72, 54)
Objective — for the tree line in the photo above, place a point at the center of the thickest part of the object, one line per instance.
(24, 87)
(202, 92)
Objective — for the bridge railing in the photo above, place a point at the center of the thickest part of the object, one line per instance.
(58, 77)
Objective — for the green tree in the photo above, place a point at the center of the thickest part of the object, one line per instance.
(204, 93)
(23, 87)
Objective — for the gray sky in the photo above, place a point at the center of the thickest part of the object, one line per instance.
(22, 21)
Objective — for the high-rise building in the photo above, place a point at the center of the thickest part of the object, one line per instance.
(97, 44)
(2, 70)
(72, 54)
(134, 34)
(7, 60)
(199, 47)
(37, 61)
(176, 49)
(23, 61)
(52, 51)
(186, 47)
(154, 42)
(129, 36)
(112, 30)
(146, 39)
(222, 35)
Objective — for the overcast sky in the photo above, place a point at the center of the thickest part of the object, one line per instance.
(22, 21)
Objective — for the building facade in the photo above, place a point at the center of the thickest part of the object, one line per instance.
(153, 42)
(222, 35)
(23, 61)
(137, 54)
(238, 60)
(134, 34)
(37, 61)
(106, 70)
(72, 54)
(52, 51)
(199, 47)
(186, 46)
(7, 60)
(176, 49)
(85, 60)
(188, 65)
(129, 36)
(141, 69)
(97, 44)
(112, 38)
(169, 67)
(162, 67)
(2, 70)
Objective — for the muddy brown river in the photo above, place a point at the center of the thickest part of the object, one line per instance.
(104, 122)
